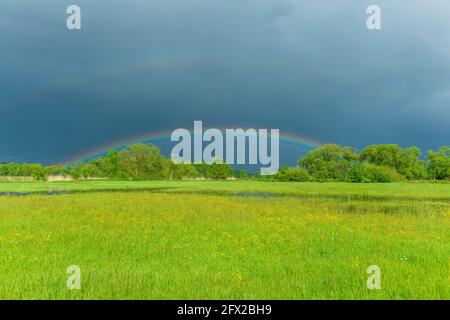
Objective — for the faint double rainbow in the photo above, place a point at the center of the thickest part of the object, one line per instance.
(297, 141)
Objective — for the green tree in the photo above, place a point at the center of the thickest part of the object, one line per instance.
(39, 172)
(410, 165)
(329, 162)
(219, 171)
(438, 163)
(405, 161)
(89, 170)
(381, 155)
(142, 162)
(110, 165)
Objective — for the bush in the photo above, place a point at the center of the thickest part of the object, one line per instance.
(39, 172)
(374, 173)
(219, 171)
(184, 171)
(292, 174)
(355, 173)
(367, 172)
(241, 174)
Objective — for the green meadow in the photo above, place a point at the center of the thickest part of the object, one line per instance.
(224, 240)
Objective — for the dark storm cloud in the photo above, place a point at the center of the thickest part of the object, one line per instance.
(307, 67)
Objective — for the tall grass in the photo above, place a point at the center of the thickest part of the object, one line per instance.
(181, 243)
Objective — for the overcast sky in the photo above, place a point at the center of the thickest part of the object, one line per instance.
(307, 67)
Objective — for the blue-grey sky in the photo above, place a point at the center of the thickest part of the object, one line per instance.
(308, 67)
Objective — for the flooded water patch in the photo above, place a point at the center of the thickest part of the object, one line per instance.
(65, 192)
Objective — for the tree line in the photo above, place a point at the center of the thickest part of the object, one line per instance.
(136, 162)
(375, 163)
(330, 162)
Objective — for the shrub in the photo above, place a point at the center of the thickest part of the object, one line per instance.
(219, 171)
(292, 174)
(374, 173)
(184, 171)
(39, 172)
(355, 173)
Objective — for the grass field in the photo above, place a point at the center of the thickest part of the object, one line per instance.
(224, 240)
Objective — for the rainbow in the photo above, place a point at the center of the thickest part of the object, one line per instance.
(285, 138)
